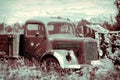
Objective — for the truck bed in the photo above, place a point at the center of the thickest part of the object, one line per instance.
(9, 44)
(4, 42)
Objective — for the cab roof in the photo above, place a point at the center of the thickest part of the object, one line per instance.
(46, 20)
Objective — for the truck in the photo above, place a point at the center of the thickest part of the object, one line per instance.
(51, 41)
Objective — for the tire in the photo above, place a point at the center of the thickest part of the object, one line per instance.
(50, 64)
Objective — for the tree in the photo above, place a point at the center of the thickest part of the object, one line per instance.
(16, 27)
(107, 25)
(8, 29)
(81, 27)
(1, 27)
(117, 3)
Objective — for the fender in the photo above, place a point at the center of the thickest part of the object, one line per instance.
(66, 58)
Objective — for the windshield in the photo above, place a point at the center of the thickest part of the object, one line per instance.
(60, 28)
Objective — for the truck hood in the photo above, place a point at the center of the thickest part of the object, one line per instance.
(67, 37)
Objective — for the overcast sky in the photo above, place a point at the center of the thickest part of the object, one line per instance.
(20, 10)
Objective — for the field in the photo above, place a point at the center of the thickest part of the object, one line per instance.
(23, 69)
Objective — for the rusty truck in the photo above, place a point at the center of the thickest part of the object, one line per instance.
(50, 41)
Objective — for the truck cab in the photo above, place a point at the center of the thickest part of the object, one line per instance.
(54, 40)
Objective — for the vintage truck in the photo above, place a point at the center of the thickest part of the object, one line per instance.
(50, 41)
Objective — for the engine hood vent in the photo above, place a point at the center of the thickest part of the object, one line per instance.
(67, 45)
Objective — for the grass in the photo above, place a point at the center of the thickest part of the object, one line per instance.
(23, 69)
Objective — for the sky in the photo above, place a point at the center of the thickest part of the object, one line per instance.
(12, 11)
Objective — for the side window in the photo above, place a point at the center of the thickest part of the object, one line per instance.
(31, 29)
(34, 29)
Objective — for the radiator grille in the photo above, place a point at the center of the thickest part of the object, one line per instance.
(91, 51)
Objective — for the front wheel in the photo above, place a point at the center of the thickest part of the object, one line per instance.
(50, 64)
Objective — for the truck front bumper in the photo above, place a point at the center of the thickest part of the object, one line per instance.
(78, 66)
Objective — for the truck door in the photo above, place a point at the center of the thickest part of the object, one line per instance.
(35, 40)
